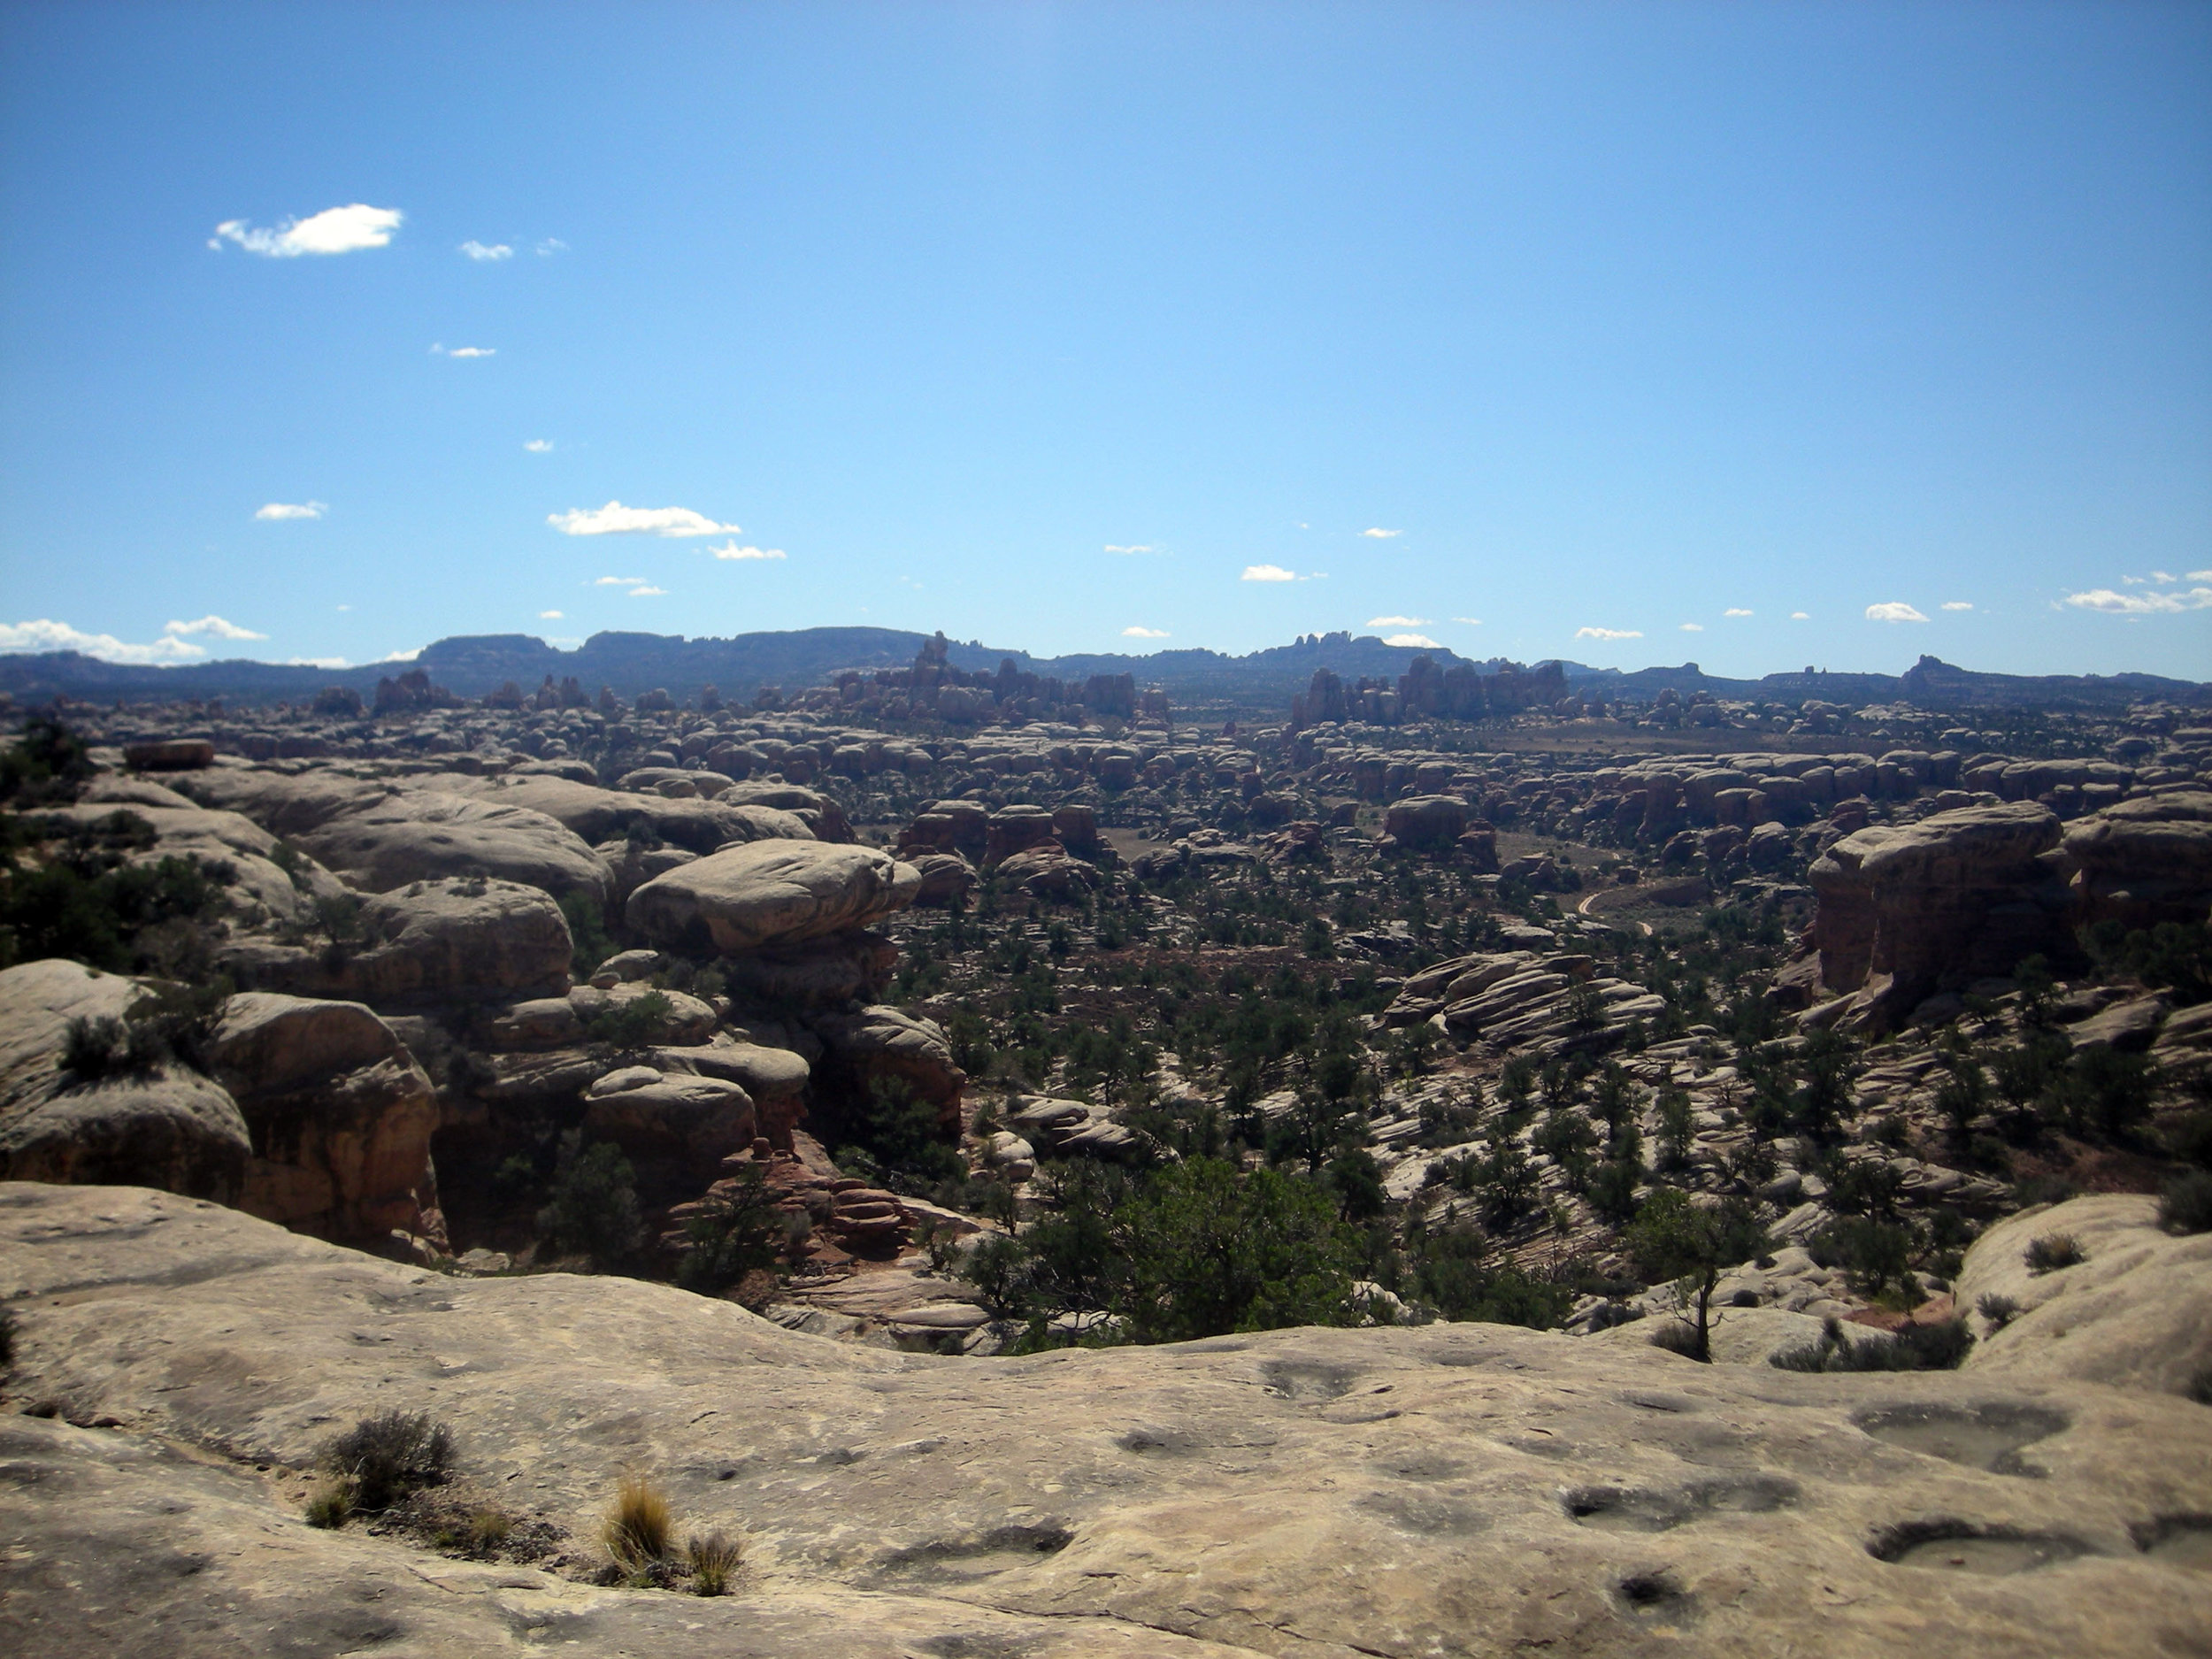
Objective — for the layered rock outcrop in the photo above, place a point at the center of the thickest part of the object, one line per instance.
(745, 899)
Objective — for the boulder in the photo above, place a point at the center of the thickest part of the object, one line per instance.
(340, 1114)
(2144, 861)
(1904, 910)
(599, 815)
(854, 965)
(945, 877)
(947, 826)
(1426, 823)
(880, 1043)
(469, 939)
(1045, 871)
(775, 1077)
(674, 1129)
(684, 1018)
(163, 1126)
(1453, 1488)
(170, 754)
(232, 847)
(1014, 829)
(770, 893)
(422, 835)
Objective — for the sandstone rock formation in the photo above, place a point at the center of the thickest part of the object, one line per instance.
(1457, 1488)
(160, 1126)
(2145, 860)
(463, 938)
(770, 893)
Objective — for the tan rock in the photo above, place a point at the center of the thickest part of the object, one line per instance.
(468, 939)
(770, 893)
(1454, 1488)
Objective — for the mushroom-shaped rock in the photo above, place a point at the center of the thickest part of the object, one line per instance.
(771, 893)
(158, 1126)
(775, 1077)
(340, 1113)
(2145, 860)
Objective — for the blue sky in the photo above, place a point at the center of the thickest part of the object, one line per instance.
(1652, 333)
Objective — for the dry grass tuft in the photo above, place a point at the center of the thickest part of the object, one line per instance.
(637, 1526)
(715, 1559)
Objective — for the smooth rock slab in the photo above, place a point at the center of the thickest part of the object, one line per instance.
(1405, 1493)
(771, 893)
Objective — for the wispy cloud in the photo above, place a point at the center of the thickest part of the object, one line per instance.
(1693, 627)
(1144, 634)
(1380, 535)
(1608, 633)
(550, 246)
(1957, 604)
(317, 662)
(647, 593)
(539, 446)
(1397, 622)
(292, 509)
(478, 250)
(731, 550)
(2200, 576)
(1418, 641)
(211, 624)
(552, 616)
(2118, 604)
(1472, 622)
(1134, 547)
(44, 635)
(1801, 616)
(1735, 610)
(333, 230)
(1893, 610)
(620, 581)
(616, 519)
(438, 350)
(401, 657)
(1267, 573)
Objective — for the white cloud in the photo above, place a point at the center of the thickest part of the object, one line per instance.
(1420, 642)
(2200, 576)
(1735, 610)
(616, 519)
(620, 581)
(647, 593)
(552, 616)
(1893, 610)
(1801, 616)
(2164, 576)
(213, 625)
(1397, 622)
(1144, 634)
(43, 635)
(1608, 633)
(333, 230)
(1472, 622)
(477, 250)
(464, 352)
(731, 550)
(1957, 604)
(317, 662)
(1267, 573)
(1693, 627)
(401, 657)
(1381, 535)
(539, 446)
(2117, 604)
(1134, 547)
(551, 245)
(292, 509)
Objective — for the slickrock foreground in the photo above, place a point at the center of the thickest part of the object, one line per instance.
(1450, 1489)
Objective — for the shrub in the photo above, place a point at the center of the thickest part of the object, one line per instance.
(593, 1209)
(2187, 1204)
(46, 764)
(636, 1529)
(631, 1024)
(1876, 1253)
(587, 933)
(173, 1022)
(1999, 1310)
(1679, 1336)
(381, 1459)
(734, 1234)
(1939, 1347)
(714, 1561)
(88, 1047)
(898, 1135)
(8, 1328)
(2054, 1251)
